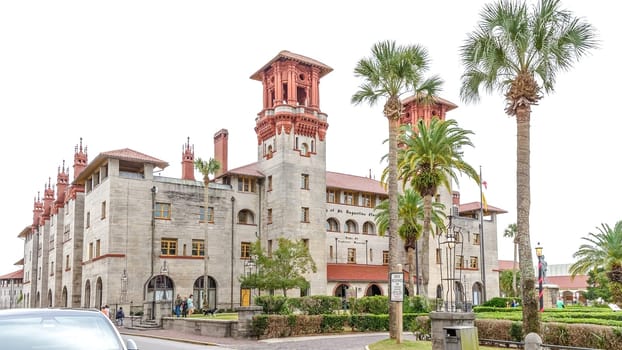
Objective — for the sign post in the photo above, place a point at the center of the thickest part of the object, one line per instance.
(396, 292)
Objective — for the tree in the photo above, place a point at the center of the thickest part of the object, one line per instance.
(598, 285)
(431, 157)
(410, 213)
(283, 269)
(507, 280)
(519, 53)
(390, 72)
(603, 250)
(206, 168)
(510, 232)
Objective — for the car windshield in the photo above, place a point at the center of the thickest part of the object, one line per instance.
(43, 331)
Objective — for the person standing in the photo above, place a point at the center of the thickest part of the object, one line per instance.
(190, 303)
(106, 310)
(178, 302)
(120, 316)
(184, 308)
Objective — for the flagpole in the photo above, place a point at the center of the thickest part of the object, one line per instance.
(481, 236)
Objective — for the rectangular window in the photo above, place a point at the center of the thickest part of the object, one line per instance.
(90, 250)
(184, 250)
(270, 215)
(371, 255)
(304, 215)
(162, 211)
(473, 262)
(367, 200)
(51, 268)
(332, 196)
(331, 253)
(304, 181)
(269, 248)
(438, 256)
(210, 214)
(88, 219)
(348, 198)
(103, 214)
(459, 261)
(476, 238)
(245, 250)
(98, 247)
(351, 256)
(246, 184)
(168, 246)
(270, 183)
(198, 247)
(305, 242)
(385, 257)
(67, 266)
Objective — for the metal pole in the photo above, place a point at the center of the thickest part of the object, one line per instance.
(481, 236)
(540, 280)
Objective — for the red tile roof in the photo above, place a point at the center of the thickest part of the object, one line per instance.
(360, 273)
(474, 207)
(567, 282)
(450, 105)
(19, 274)
(355, 183)
(251, 169)
(507, 265)
(324, 69)
(124, 154)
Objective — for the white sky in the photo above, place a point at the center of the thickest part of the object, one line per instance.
(148, 74)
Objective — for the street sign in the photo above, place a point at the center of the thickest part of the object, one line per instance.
(396, 286)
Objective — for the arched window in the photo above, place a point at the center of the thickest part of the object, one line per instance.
(369, 228)
(304, 149)
(332, 225)
(246, 217)
(199, 292)
(351, 227)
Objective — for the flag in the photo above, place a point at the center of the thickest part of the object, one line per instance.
(482, 197)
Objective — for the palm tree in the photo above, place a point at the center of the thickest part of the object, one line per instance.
(604, 250)
(389, 73)
(410, 213)
(206, 168)
(510, 232)
(432, 157)
(519, 53)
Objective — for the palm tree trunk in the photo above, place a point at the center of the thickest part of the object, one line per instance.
(411, 269)
(393, 220)
(514, 286)
(205, 301)
(531, 316)
(425, 244)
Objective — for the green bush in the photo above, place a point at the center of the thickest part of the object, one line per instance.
(500, 302)
(416, 304)
(273, 304)
(334, 323)
(377, 305)
(366, 323)
(316, 304)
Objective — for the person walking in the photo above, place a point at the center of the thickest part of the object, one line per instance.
(190, 305)
(178, 302)
(120, 316)
(106, 310)
(184, 308)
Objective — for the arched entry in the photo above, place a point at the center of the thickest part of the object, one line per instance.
(87, 294)
(64, 297)
(477, 293)
(199, 292)
(49, 298)
(99, 288)
(160, 288)
(372, 290)
(341, 290)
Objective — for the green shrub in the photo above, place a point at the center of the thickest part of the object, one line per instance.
(500, 302)
(416, 304)
(374, 323)
(273, 304)
(316, 304)
(334, 323)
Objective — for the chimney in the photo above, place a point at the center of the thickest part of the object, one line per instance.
(187, 162)
(455, 198)
(221, 150)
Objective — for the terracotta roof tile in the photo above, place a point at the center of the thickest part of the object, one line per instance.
(474, 207)
(567, 282)
(133, 156)
(19, 274)
(355, 183)
(249, 170)
(324, 69)
(439, 100)
(360, 273)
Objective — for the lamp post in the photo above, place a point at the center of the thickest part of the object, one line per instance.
(540, 276)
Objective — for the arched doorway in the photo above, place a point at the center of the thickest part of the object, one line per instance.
(199, 293)
(160, 288)
(99, 288)
(64, 297)
(372, 290)
(477, 293)
(87, 294)
(341, 290)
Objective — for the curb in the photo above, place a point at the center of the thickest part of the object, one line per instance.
(183, 340)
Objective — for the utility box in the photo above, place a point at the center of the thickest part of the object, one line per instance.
(461, 338)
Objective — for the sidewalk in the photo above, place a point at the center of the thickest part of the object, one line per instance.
(186, 337)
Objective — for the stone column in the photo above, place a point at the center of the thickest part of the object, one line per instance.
(441, 319)
(245, 320)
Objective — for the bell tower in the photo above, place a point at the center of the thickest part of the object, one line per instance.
(291, 153)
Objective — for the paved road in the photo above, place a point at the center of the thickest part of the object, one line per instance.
(356, 341)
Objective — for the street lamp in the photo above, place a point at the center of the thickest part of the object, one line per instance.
(540, 276)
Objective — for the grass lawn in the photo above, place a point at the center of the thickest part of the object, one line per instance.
(389, 344)
(217, 316)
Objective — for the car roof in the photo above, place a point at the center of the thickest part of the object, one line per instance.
(48, 311)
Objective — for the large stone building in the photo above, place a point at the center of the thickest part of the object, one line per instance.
(120, 234)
